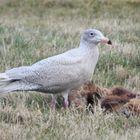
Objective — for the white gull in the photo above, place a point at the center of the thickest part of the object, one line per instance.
(60, 73)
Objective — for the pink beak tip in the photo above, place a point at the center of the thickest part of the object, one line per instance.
(109, 42)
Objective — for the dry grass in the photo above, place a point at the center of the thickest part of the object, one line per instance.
(32, 30)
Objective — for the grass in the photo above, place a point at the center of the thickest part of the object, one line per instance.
(33, 30)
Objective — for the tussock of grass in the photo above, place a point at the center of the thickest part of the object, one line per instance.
(33, 30)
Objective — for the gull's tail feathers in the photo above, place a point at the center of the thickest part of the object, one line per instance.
(4, 79)
(9, 85)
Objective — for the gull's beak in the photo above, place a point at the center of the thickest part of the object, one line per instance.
(106, 41)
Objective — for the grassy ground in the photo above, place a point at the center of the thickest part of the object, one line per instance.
(36, 29)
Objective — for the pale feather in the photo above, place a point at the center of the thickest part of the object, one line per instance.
(54, 74)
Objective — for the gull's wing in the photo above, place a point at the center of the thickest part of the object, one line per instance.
(59, 71)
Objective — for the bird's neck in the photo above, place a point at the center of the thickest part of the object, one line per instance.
(86, 45)
(91, 48)
(91, 52)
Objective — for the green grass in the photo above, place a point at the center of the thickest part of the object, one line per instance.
(36, 29)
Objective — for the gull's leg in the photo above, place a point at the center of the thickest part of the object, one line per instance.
(53, 101)
(65, 100)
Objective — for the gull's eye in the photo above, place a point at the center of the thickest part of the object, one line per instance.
(92, 34)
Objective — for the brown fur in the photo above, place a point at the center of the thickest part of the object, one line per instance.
(111, 99)
(118, 97)
(83, 95)
(87, 94)
(113, 103)
(121, 92)
(132, 107)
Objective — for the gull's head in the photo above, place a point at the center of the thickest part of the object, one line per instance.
(92, 37)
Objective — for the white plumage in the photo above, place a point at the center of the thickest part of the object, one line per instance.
(57, 74)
